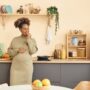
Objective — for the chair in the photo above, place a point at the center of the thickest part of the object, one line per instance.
(83, 85)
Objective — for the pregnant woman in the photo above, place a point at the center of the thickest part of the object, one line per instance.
(21, 49)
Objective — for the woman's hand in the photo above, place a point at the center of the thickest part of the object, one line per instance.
(28, 35)
(21, 50)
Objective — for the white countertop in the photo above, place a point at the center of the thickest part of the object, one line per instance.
(54, 61)
(29, 87)
(63, 61)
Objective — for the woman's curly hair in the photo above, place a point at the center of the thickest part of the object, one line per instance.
(21, 21)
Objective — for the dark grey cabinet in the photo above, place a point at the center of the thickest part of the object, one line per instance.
(50, 71)
(4, 72)
(71, 74)
(67, 75)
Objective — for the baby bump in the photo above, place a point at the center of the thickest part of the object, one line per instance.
(22, 58)
(22, 64)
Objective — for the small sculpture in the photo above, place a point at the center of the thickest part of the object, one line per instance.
(35, 10)
(20, 10)
(28, 9)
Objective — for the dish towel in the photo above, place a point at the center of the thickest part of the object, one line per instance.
(49, 35)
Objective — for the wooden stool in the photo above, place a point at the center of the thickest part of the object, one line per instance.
(83, 85)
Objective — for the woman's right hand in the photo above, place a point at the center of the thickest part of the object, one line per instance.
(28, 35)
(21, 50)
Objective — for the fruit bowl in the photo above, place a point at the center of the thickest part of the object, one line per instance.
(41, 85)
(41, 88)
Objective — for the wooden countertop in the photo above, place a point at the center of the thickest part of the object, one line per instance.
(54, 61)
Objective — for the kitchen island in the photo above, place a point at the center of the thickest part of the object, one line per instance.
(61, 72)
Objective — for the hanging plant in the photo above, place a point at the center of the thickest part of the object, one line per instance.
(53, 11)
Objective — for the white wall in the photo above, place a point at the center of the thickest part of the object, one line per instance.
(74, 14)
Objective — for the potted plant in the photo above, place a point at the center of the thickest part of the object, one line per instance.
(53, 11)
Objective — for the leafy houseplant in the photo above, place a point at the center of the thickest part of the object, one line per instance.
(53, 11)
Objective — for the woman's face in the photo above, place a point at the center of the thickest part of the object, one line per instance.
(24, 30)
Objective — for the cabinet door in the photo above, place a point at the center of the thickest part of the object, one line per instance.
(4, 73)
(72, 74)
(50, 71)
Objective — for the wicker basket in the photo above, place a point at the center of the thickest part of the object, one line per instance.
(41, 88)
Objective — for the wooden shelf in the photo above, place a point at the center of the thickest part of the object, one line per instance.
(76, 57)
(76, 35)
(4, 16)
(77, 46)
(23, 15)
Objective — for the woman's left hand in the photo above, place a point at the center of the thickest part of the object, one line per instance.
(21, 50)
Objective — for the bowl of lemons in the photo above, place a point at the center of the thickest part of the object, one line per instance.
(41, 84)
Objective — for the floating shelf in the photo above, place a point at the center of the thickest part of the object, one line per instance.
(23, 14)
(4, 16)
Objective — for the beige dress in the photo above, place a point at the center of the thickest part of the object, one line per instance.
(22, 67)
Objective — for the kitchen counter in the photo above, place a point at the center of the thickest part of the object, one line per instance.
(56, 61)
(61, 72)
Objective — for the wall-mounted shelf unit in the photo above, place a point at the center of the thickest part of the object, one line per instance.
(76, 46)
(4, 16)
(23, 15)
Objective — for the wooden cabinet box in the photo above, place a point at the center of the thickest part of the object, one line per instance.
(76, 46)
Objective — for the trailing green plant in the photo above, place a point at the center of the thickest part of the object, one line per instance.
(53, 11)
